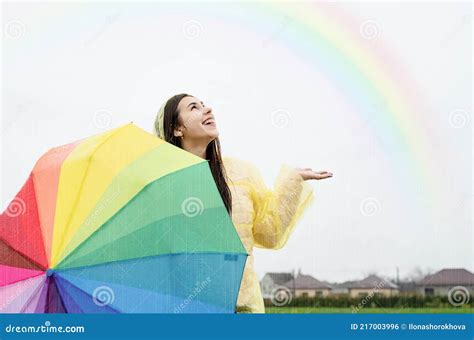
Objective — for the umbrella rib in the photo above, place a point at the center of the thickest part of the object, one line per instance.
(61, 291)
(36, 292)
(86, 293)
(76, 201)
(50, 281)
(24, 256)
(26, 278)
(39, 218)
(149, 256)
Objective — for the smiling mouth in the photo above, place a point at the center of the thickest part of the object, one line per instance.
(209, 121)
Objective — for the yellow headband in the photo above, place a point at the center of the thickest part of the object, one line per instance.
(159, 127)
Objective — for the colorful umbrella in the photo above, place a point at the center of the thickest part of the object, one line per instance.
(120, 222)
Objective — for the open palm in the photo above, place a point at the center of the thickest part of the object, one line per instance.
(308, 173)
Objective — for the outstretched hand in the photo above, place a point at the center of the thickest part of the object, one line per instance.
(308, 173)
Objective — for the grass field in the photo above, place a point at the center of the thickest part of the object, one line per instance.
(305, 310)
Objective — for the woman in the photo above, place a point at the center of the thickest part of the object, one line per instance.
(263, 218)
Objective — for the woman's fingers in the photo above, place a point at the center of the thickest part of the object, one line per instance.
(308, 173)
(322, 174)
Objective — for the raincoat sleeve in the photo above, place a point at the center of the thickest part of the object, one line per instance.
(277, 210)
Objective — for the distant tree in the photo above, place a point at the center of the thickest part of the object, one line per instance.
(417, 274)
(369, 272)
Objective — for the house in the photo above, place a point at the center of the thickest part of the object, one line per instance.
(442, 281)
(273, 280)
(371, 285)
(307, 286)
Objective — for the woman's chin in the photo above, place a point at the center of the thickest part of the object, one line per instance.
(213, 134)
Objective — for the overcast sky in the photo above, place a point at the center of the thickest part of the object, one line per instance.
(70, 71)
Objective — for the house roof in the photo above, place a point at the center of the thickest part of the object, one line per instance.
(371, 281)
(449, 277)
(280, 278)
(306, 282)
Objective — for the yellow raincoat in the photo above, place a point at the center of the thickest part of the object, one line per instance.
(263, 217)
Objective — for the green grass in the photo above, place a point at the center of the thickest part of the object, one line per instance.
(313, 310)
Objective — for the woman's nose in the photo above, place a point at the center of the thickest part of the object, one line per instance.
(207, 109)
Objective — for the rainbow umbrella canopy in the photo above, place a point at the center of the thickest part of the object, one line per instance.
(120, 222)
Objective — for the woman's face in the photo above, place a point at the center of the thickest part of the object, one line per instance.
(196, 120)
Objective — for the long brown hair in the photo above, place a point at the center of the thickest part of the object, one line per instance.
(213, 151)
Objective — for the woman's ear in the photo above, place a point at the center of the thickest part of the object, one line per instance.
(178, 132)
